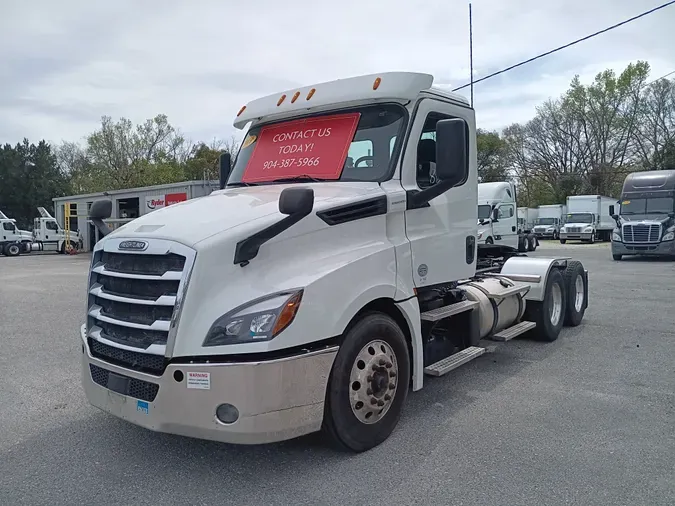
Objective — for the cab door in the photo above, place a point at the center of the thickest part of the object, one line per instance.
(442, 233)
(506, 226)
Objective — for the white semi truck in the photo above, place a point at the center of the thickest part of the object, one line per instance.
(49, 236)
(549, 221)
(13, 240)
(588, 219)
(498, 219)
(309, 293)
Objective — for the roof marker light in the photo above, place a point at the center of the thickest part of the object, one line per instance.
(376, 84)
(295, 97)
(241, 111)
(311, 93)
(281, 99)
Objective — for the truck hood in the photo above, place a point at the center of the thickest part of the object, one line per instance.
(195, 220)
(662, 219)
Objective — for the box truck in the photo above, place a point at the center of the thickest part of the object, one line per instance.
(588, 219)
(549, 221)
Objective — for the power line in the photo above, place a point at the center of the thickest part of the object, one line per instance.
(609, 28)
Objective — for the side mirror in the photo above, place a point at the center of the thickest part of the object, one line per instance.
(495, 215)
(296, 201)
(101, 210)
(452, 151)
(224, 168)
(611, 211)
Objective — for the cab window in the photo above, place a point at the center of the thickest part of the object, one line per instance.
(9, 226)
(505, 212)
(51, 225)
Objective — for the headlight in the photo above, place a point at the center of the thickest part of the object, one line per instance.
(260, 320)
(669, 236)
(549, 229)
(588, 229)
(616, 237)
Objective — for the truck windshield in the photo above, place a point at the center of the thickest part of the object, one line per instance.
(657, 205)
(580, 218)
(353, 145)
(484, 212)
(545, 221)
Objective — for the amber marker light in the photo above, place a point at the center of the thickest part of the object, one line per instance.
(287, 313)
(311, 93)
(295, 97)
(241, 111)
(281, 99)
(376, 84)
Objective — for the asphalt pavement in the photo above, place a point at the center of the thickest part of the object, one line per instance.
(588, 419)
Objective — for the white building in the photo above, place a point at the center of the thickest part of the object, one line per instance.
(127, 204)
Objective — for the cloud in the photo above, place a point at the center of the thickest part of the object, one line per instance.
(65, 64)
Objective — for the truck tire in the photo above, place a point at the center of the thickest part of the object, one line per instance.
(549, 314)
(12, 249)
(563, 241)
(592, 241)
(617, 257)
(368, 384)
(522, 244)
(489, 241)
(532, 243)
(575, 283)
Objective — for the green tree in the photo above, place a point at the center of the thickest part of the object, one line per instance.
(30, 177)
(491, 155)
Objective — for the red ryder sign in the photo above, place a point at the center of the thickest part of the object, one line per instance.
(158, 201)
(316, 147)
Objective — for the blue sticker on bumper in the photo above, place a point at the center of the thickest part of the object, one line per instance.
(143, 406)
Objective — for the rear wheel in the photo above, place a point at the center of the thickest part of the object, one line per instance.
(549, 314)
(532, 241)
(368, 384)
(575, 283)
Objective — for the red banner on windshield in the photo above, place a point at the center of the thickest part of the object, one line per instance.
(315, 147)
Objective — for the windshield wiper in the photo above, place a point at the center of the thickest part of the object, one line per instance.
(303, 177)
(238, 183)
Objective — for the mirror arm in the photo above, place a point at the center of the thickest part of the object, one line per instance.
(421, 198)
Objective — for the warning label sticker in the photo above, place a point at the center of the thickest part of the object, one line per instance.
(199, 380)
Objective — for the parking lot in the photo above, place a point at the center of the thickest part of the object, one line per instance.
(588, 419)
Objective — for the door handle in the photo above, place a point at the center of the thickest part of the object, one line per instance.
(513, 229)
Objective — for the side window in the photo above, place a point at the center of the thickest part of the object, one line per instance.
(360, 154)
(51, 225)
(505, 212)
(8, 226)
(426, 151)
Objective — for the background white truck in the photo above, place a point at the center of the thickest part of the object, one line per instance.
(588, 219)
(549, 221)
(526, 218)
(497, 217)
(13, 241)
(49, 236)
(310, 294)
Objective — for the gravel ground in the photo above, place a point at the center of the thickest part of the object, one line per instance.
(586, 420)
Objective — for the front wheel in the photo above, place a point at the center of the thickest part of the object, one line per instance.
(12, 250)
(563, 241)
(489, 241)
(368, 384)
(549, 314)
(532, 243)
(617, 257)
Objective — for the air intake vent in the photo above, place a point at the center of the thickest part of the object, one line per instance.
(364, 209)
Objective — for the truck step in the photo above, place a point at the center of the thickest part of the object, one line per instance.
(434, 315)
(515, 330)
(454, 361)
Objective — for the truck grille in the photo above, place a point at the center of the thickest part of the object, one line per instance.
(132, 304)
(641, 233)
(574, 229)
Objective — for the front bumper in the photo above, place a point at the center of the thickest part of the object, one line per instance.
(277, 399)
(666, 248)
(579, 236)
(544, 234)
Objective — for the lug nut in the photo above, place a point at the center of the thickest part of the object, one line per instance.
(382, 361)
(392, 374)
(369, 378)
(369, 391)
(388, 365)
(380, 403)
(373, 401)
(375, 367)
(387, 397)
(392, 386)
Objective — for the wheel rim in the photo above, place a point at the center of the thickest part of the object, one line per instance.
(14, 249)
(578, 293)
(373, 382)
(555, 308)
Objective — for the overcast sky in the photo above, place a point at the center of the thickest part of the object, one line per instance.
(65, 63)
